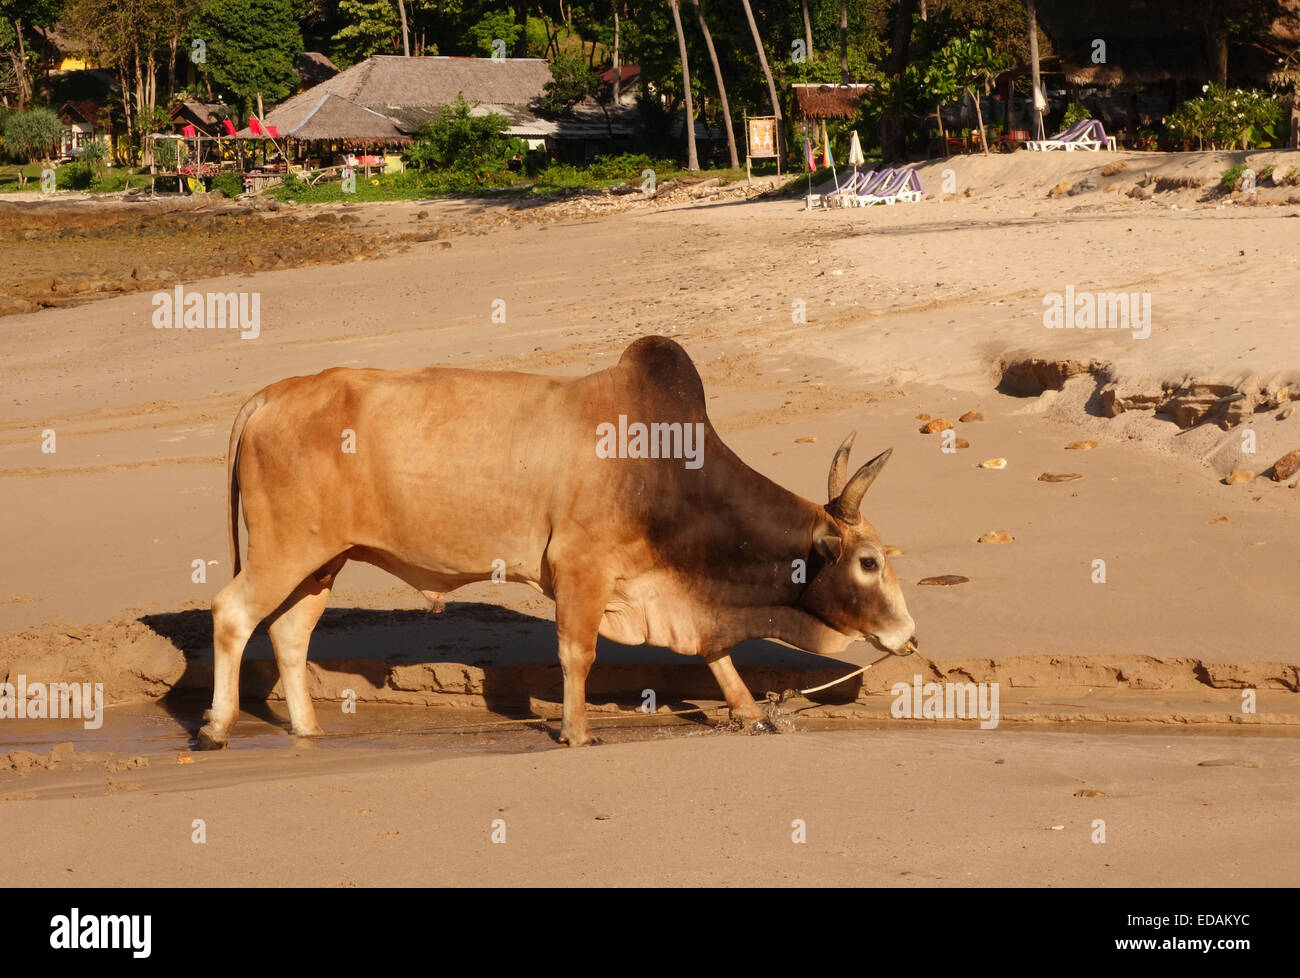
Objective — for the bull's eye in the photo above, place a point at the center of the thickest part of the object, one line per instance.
(869, 563)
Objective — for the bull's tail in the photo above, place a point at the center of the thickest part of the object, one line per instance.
(232, 472)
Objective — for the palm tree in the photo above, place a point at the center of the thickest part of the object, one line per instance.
(692, 158)
(722, 89)
(844, 41)
(771, 85)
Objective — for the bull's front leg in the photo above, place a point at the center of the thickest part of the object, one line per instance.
(744, 710)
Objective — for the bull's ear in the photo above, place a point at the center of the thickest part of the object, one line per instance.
(827, 543)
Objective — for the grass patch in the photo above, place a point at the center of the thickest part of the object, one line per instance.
(1230, 177)
(555, 179)
(72, 176)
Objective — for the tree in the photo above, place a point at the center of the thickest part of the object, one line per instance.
(176, 18)
(251, 47)
(692, 157)
(572, 80)
(722, 89)
(406, 33)
(32, 135)
(496, 25)
(968, 63)
(371, 28)
(844, 42)
(131, 35)
(16, 18)
(767, 74)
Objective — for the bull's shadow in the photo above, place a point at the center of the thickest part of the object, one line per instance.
(417, 651)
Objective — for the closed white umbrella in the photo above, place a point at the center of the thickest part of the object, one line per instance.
(856, 157)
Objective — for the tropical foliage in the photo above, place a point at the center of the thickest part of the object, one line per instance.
(1229, 118)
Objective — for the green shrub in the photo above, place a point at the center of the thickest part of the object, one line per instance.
(94, 154)
(1074, 113)
(74, 176)
(232, 184)
(1229, 119)
(470, 145)
(626, 167)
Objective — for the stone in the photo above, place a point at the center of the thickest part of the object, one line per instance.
(1219, 519)
(943, 580)
(892, 551)
(1287, 466)
(1059, 476)
(1081, 446)
(993, 463)
(970, 416)
(23, 761)
(996, 536)
(1059, 189)
(1238, 477)
(962, 443)
(922, 417)
(935, 426)
(1090, 793)
(806, 440)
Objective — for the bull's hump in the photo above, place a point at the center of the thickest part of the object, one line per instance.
(663, 364)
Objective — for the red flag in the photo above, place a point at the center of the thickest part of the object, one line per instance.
(230, 127)
(254, 126)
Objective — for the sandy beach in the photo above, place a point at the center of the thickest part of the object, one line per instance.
(804, 325)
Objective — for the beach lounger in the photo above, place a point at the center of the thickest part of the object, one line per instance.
(868, 187)
(904, 185)
(850, 186)
(1087, 134)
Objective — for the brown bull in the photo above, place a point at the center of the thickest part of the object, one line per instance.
(611, 493)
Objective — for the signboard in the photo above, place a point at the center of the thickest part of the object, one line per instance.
(762, 136)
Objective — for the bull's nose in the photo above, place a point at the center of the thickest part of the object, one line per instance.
(911, 646)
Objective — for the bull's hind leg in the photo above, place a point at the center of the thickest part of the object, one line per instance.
(236, 611)
(290, 631)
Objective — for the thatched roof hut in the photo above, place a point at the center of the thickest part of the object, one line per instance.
(335, 118)
(408, 92)
(816, 102)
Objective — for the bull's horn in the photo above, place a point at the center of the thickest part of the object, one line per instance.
(847, 503)
(839, 468)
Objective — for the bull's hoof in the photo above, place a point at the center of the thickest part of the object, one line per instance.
(208, 739)
(312, 731)
(583, 739)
